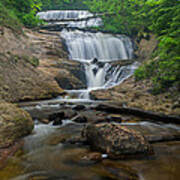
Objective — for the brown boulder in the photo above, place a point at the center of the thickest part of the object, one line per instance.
(115, 140)
(14, 124)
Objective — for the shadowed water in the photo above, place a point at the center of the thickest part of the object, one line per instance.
(46, 157)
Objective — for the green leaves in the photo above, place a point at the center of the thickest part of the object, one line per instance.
(165, 22)
(24, 11)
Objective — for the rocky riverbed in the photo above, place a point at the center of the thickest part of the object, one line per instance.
(86, 139)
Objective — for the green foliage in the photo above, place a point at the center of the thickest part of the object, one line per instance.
(63, 5)
(24, 11)
(20, 11)
(126, 17)
(9, 19)
(163, 72)
(28, 59)
(165, 22)
(32, 60)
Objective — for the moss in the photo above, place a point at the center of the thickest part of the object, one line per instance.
(9, 19)
(28, 59)
(32, 60)
(15, 123)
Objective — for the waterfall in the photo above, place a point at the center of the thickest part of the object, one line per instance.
(63, 15)
(86, 46)
(68, 18)
(95, 75)
(93, 22)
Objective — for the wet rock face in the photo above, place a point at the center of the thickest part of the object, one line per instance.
(14, 124)
(22, 61)
(71, 75)
(79, 119)
(115, 140)
(56, 118)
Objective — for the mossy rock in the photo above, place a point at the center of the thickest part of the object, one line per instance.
(32, 60)
(14, 124)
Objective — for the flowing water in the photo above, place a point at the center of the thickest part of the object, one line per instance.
(70, 18)
(86, 46)
(64, 15)
(106, 48)
(45, 156)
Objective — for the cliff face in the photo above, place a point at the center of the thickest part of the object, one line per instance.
(20, 78)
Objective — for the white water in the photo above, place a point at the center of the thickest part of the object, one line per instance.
(63, 18)
(85, 46)
(93, 22)
(64, 14)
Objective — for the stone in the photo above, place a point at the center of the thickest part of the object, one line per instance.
(71, 75)
(57, 122)
(76, 140)
(44, 121)
(94, 156)
(69, 113)
(115, 140)
(56, 118)
(120, 171)
(79, 107)
(79, 119)
(114, 118)
(59, 115)
(15, 123)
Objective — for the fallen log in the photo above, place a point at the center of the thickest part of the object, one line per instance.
(150, 115)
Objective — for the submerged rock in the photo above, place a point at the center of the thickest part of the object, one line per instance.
(79, 119)
(94, 156)
(79, 107)
(120, 171)
(115, 140)
(14, 124)
(69, 113)
(56, 118)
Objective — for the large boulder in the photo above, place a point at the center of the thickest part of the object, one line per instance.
(71, 75)
(115, 140)
(14, 124)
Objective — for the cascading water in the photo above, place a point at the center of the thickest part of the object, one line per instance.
(86, 46)
(69, 18)
(105, 47)
(64, 15)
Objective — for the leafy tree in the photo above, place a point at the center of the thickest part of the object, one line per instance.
(63, 4)
(25, 11)
(165, 22)
(126, 16)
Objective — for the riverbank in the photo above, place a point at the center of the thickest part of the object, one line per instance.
(137, 94)
(20, 80)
